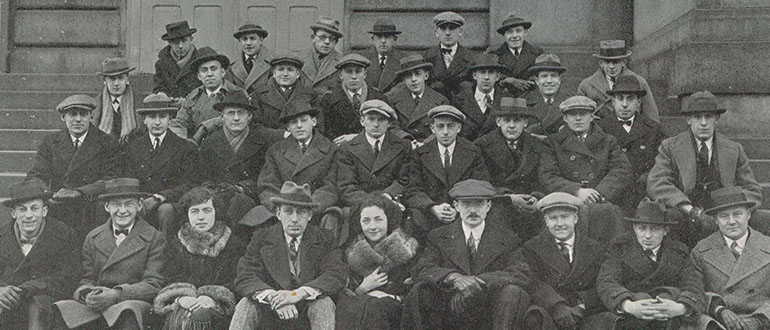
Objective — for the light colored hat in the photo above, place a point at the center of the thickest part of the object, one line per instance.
(448, 17)
(578, 102)
(559, 199)
(446, 110)
(292, 194)
(380, 107)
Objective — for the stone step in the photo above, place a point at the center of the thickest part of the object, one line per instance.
(17, 160)
(35, 99)
(673, 125)
(66, 82)
(22, 139)
(7, 179)
(30, 119)
(755, 148)
(668, 105)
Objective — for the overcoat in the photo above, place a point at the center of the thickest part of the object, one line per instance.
(550, 118)
(505, 173)
(383, 79)
(321, 78)
(338, 115)
(412, 115)
(199, 270)
(596, 86)
(450, 80)
(197, 109)
(260, 71)
(272, 102)
(477, 123)
(169, 78)
(518, 66)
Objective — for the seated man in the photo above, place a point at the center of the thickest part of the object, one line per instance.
(40, 262)
(435, 167)
(450, 60)
(545, 101)
(517, 54)
(648, 281)
(383, 54)
(251, 68)
(174, 74)
(122, 262)
(733, 263)
(478, 102)
(115, 114)
(466, 276)
(564, 267)
(290, 270)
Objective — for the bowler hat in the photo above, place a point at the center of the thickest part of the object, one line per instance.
(546, 62)
(115, 66)
(446, 110)
(178, 30)
(472, 189)
(250, 28)
(206, 54)
(286, 58)
(413, 62)
(612, 50)
(578, 102)
(380, 107)
(234, 99)
(510, 106)
(448, 17)
(627, 84)
(354, 59)
(121, 188)
(296, 109)
(559, 199)
(703, 102)
(652, 212)
(384, 26)
(292, 194)
(26, 191)
(727, 197)
(154, 103)
(511, 21)
(77, 101)
(487, 61)
(327, 24)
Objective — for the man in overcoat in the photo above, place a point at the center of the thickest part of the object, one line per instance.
(115, 112)
(516, 54)
(174, 74)
(692, 164)
(122, 262)
(467, 278)
(450, 60)
(72, 161)
(321, 59)
(383, 55)
(290, 270)
(252, 67)
(39, 260)
(547, 71)
(481, 100)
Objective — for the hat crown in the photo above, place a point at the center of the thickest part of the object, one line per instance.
(120, 187)
(296, 109)
(379, 106)
(355, 59)
(446, 110)
(487, 61)
(411, 60)
(292, 192)
(157, 102)
(728, 196)
(627, 83)
(76, 101)
(178, 30)
(206, 52)
(702, 101)
(235, 99)
(26, 190)
(115, 65)
(287, 58)
(248, 27)
(448, 17)
(612, 44)
(548, 59)
(177, 26)
(578, 102)
(384, 25)
(652, 212)
(559, 199)
(472, 189)
(613, 49)
(329, 22)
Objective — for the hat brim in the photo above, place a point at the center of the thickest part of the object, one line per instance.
(449, 22)
(637, 92)
(499, 67)
(11, 202)
(104, 197)
(564, 206)
(334, 32)
(426, 65)
(536, 69)
(718, 111)
(286, 119)
(618, 57)
(261, 32)
(748, 204)
(203, 59)
(222, 105)
(167, 37)
(664, 222)
(156, 110)
(115, 73)
(395, 32)
(281, 201)
(526, 24)
(78, 106)
(295, 63)
(380, 111)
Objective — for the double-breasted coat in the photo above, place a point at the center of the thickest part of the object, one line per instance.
(323, 76)
(382, 78)
(271, 102)
(517, 65)
(477, 123)
(550, 117)
(507, 172)
(260, 70)
(453, 79)
(169, 78)
(360, 172)
(412, 114)
(568, 164)
(596, 86)
(338, 115)
(198, 109)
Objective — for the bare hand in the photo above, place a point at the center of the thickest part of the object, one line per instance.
(589, 195)
(640, 309)
(467, 284)
(444, 212)
(526, 203)
(286, 297)
(10, 296)
(731, 321)
(344, 138)
(458, 303)
(288, 312)
(518, 84)
(65, 193)
(372, 281)
(666, 308)
(202, 302)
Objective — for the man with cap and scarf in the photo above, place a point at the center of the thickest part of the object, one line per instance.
(321, 59)
(251, 68)
(480, 101)
(547, 71)
(383, 55)
(116, 114)
(450, 60)
(516, 54)
(40, 262)
(467, 275)
(174, 74)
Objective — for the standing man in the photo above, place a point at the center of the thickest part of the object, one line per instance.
(612, 64)
(251, 69)
(478, 102)
(694, 163)
(174, 74)
(290, 270)
(40, 260)
(467, 276)
(383, 54)
(321, 59)
(517, 54)
(545, 101)
(115, 114)
(450, 60)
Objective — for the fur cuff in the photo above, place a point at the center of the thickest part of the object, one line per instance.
(224, 297)
(165, 301)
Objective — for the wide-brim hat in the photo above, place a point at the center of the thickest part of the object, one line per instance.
(292, 194)
(612, 50)
(121, 188)
(413, 62)
(328, 24)
(77, 101)
(384, 26)
(155, 103)
(250, 28)
(178, 30)
(286, 58)
(654, 213)
(234, 99)
(511, 21)
(115, 66)
(206, 54)
(546, 62)
(728, 197)
(487, 61)
(627, 84)
(26, 191)
(296, 109)
(703, 101)
(510, 106)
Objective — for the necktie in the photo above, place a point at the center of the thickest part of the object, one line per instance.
(116, 104)
(513, 145)
(157, 143)
(703, 154)
(581, 138)
(293, 252)
(564, 251)
(416, 97)
(303, 146)
(376, 148)
(625, 122)
(249, 63)
(650, 255)
(447, 159)
(447, 54)
(471, 245)
(550, 100)
(77, 144)
(487, 103)
(382, 62)
(356, 100)
(734, 250)
(121, 231)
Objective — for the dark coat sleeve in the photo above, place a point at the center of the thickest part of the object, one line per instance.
(620, 174)
(609, 283)
(59, 276)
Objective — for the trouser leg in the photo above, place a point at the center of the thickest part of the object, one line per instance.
(245, 317)
(321, 313)
(508, 308)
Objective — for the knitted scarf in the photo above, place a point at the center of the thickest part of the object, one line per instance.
(181, 62)
(127, 113)
(235, 140)
(205, 243)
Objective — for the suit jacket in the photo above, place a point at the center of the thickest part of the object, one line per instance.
(451, 80)
(554, 280)
(740, 285)
(286, 162)
(551, 120)
(518, 66)
(322, 78)
(360, 173)
(478, 123)
(197, 109)
(595, 87)
(383, 79)
(339, 116)
(412, 116)
(673, 175)
(266, 263)
(60, 165)
(599, 163)
(50, 268)
(172, 80)
(134, 266)
(260, 71)
(169, 170)
(271, 102)
(504, 173)
(429, 182)
(628, 270)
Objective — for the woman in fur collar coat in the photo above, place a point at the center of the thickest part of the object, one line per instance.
(201, 266)
(378, 258)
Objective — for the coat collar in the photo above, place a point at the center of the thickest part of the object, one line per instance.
(386, 76)
(104, 241)
(684, 154)
(520, 63)
(269, 94)
(91, 146)
(275, 255)
(568, 140)
(410, 113)
(641, 128)
(361, 148)
(253, 144)
(755, 256)
(497, 149)
(318, 149)
(325, 69)
(259, 67)
(472, 109)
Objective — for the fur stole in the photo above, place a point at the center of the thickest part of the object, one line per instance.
(392, 251)
(208, 243)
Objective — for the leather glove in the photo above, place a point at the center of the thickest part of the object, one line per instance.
(706, 221)
(730, 320)
(563, 317)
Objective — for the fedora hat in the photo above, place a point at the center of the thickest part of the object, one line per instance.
(652, 213)
(234, 99)
(292, 194)
(77, 101)
(546, 62)
(115, 66)
(487, 61)
(702, 101)
(156, 103)
(206, 54)
(327, 24)
(286, 58)
(250, 28)
(384, 26)
(627, 84)
(612, 50)
(178, 30)
(511, 21)
(510, 106)
(121, 188)
(296, 109)
(727, 197)
(413, 62)
(26, 191)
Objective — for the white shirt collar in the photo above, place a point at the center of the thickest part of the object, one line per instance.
(371, 140)
(82, 138)
(161, 137)
(515, 50)
(741, 241)
(479, 95)
(307, 143)
(477, 232)
(570, 242)
(420, 95)
(451, 148)
(351, 93)
(709, 143)
(215, 91)
(453, 48)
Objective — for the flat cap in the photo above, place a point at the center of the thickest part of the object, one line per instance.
(286, 58)
(559, 199)
(448, 17)
(578, 102)
(353, 59)
(378, 106)
(446, 110)
(472, 189)
(77, 101)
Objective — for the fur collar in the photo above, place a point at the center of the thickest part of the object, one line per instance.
(208, 243)
(392, 251)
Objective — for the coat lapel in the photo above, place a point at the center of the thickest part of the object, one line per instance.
(432, 161)
(327, 66)
(684, 157)
(726, 158)
(270, 95)
(132, 244)
(316, 151)
(388, 151)
(259, 68)
(546, 248)
(718, 255)
(454, 240)
(276, 258)
(10, 250)
(489, 246)
(363, 151)
(755, 256)
(461, 159)
(85, 151)
(249, 147)
(529, 157)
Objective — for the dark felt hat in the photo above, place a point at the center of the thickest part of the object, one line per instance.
(703, 101)
(446, 110)
(235, 99)
(472, 189)
(511, 21)
(206, 54)
(627, 84)
(384, 26)
(26, 191)
(327, 24)
(546, 62)
(115, 66)
(178, 30)
(121, 188)
(296, 109)
(77, 101)
(613, 50)
(354, 59)
(487, 61)
(727, 197)
(155, 103)
(292, 194)
(250, 28)
(413, 62)
(286, 58)
(448, 17)
(559, 199)
(510, 106)
(651, 212)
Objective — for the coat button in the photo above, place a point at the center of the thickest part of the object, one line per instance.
(642, 147)
(572, 157)
(624, 149)
(575, 174)
(591, 176)
(592, 161)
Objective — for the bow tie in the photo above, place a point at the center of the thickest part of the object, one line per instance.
(626, 122)
(446, 50)
(30, 241)
(121, 231)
